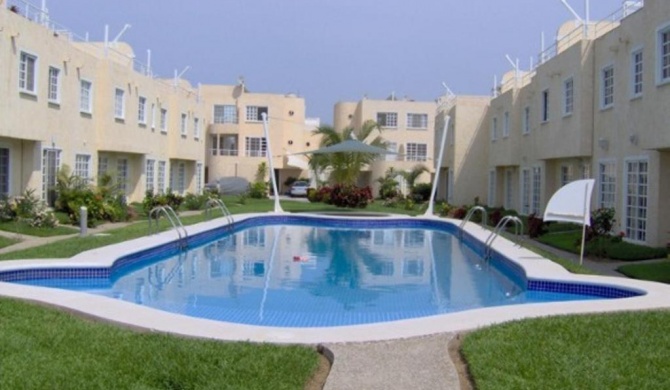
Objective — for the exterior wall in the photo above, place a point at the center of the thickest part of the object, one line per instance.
(356, 114)
(32, 122)
(286, 124)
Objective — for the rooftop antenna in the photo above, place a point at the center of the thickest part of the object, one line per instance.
(515, 65)
(44, 15)
(123, 30)
(449, 93)
(177, 77)
(574, 13)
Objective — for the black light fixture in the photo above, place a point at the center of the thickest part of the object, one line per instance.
(290, 142)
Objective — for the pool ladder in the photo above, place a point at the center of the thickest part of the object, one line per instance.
(218, 203)
(172, 216)
(469, 215)
(518, 223)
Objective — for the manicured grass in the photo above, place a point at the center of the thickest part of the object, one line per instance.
(610, 351)
(5, 242)
(657, 272)
(20, 227)
(43, 348)
(605, 247)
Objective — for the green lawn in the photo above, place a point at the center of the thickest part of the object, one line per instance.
(20, 227)
(656, 272)
(5, 242)
(602, 247)
(44, 348)
(609, 351)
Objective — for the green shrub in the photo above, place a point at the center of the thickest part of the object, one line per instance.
(421, 192)
(258, 190)
(536, 226)
(409, 204)
(195, 202)
(443, 209)
(602, 222)
(350, 196)
(617, 249)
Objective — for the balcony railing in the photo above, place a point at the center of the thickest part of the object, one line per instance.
(224, 152)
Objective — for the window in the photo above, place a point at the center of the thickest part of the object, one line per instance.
(636, 199)
(163, 120)
(450, 185)
(568, 96)
(566, 174)
(82, 166)
(663, 74)
(160, 177)
(53, 94)
(387, 119)
(150, 175)
(536, 190)
(506, 124)
(414, 238)
(50, 167)
(526, 121)
(86, 96)
(492, 188)
(508, 188)
(494, 129)
(182, 126)
(255, 147)
(198, 178)
(153, 116)
(606, 184)
(637, 70)
(545, 105)
(255, 113)
(142, 110)
(525, 191)
(417, 121)
(28, 73)
(417, 152)
(224, 145)
(4, 172)
(178, 177)
(412, 267)
(103, 166)
(225, 114)
(607, 87)
(119, 104)
(122, 174)
(196, 128)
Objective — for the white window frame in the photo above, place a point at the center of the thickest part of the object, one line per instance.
(491, 196)
(86, 99)
(142, 110)
(525, 125)
(161, 175)
(536, 190)
(413, 151)
(85, 172)
(119, 103)
(164, 120)
(544, 106)
(525, 189)
(636, 72)
(58, 160)
(122, 174)
(255, 147)
(663, 59)
(196, 128)
(225, 113)
(506, 124)
(198, 177)
(568, 96)
(254, 113)
(635, 234)
(150, 175)
(566, 175)
(607, 81)
(28, 74)
(153, 116)
(607, 183)
(183, 125)
(494, 128)
(53, 92)
(509, 188)
(422, 120)
(390, 119)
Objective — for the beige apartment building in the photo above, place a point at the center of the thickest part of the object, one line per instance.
(407, 126)
(596, 106)
(90, 106)
(236, 144)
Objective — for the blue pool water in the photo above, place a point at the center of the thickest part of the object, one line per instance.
(310, 274)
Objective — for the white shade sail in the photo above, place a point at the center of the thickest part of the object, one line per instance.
(571, 203)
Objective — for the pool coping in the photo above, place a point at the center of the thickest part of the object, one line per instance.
(657, 296)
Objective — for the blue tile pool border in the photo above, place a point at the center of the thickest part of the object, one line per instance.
(508, 267)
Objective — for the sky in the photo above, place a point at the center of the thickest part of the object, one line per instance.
(331, 50)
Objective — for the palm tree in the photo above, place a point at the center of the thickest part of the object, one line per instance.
(346, 166)
(411, 176)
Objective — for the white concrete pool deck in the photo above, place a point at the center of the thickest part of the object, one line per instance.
(656, 296)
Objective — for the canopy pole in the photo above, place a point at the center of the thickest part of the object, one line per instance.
(278, 208)
(586, 199)
(438, 165)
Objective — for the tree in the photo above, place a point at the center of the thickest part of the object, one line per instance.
(346, 166)
(414, 174)
(388, 184)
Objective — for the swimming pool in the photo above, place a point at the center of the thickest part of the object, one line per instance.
(527, 271)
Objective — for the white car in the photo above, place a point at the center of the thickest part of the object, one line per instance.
(299, 188)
